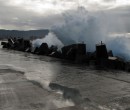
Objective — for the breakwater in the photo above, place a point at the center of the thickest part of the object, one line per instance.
(76, 53)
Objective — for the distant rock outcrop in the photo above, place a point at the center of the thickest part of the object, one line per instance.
(30, 34)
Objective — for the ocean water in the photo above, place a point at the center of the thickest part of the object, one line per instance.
(72, 86)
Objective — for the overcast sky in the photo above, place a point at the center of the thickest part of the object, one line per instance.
(41, 14)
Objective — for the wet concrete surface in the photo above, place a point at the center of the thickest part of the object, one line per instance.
(24, 90)
(18, 93)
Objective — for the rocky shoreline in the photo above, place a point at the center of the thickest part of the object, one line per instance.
(101, 58)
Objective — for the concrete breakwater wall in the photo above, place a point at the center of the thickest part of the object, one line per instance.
(101, 58)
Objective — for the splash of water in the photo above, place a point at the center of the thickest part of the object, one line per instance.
(79, 26)
(120, 46)
(50, 39)
(82, 26)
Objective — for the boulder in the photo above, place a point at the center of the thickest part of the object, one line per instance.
(10, 44)
(127, 66)
(110, 53)
(116, 63)
(27, 45)
(53, 49)
(101, 51)
(5, 44)
(72, 52)
(43, 49)
(55, 54)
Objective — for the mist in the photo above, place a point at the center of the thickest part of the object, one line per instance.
(50, 39)
(81, 26)
(120, 46)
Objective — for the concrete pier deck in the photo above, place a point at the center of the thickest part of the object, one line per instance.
(17, 93)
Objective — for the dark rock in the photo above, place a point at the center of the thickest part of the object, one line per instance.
(101, 55)
(34, 50)
(91, 55)
(43, 49)
(19, 44)
(20, 40)
(10, 43)
(28, 49)
(16, 45)
(53, 49)
(127, 66)
(22, 45)
(110, 53)
(27, 44)
(5, 44)
(74, 51)
(116, 63)
(55, 54)
(101, 51)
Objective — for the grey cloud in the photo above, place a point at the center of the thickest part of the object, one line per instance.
(20, 18)
(109, 0)
(114, 20)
